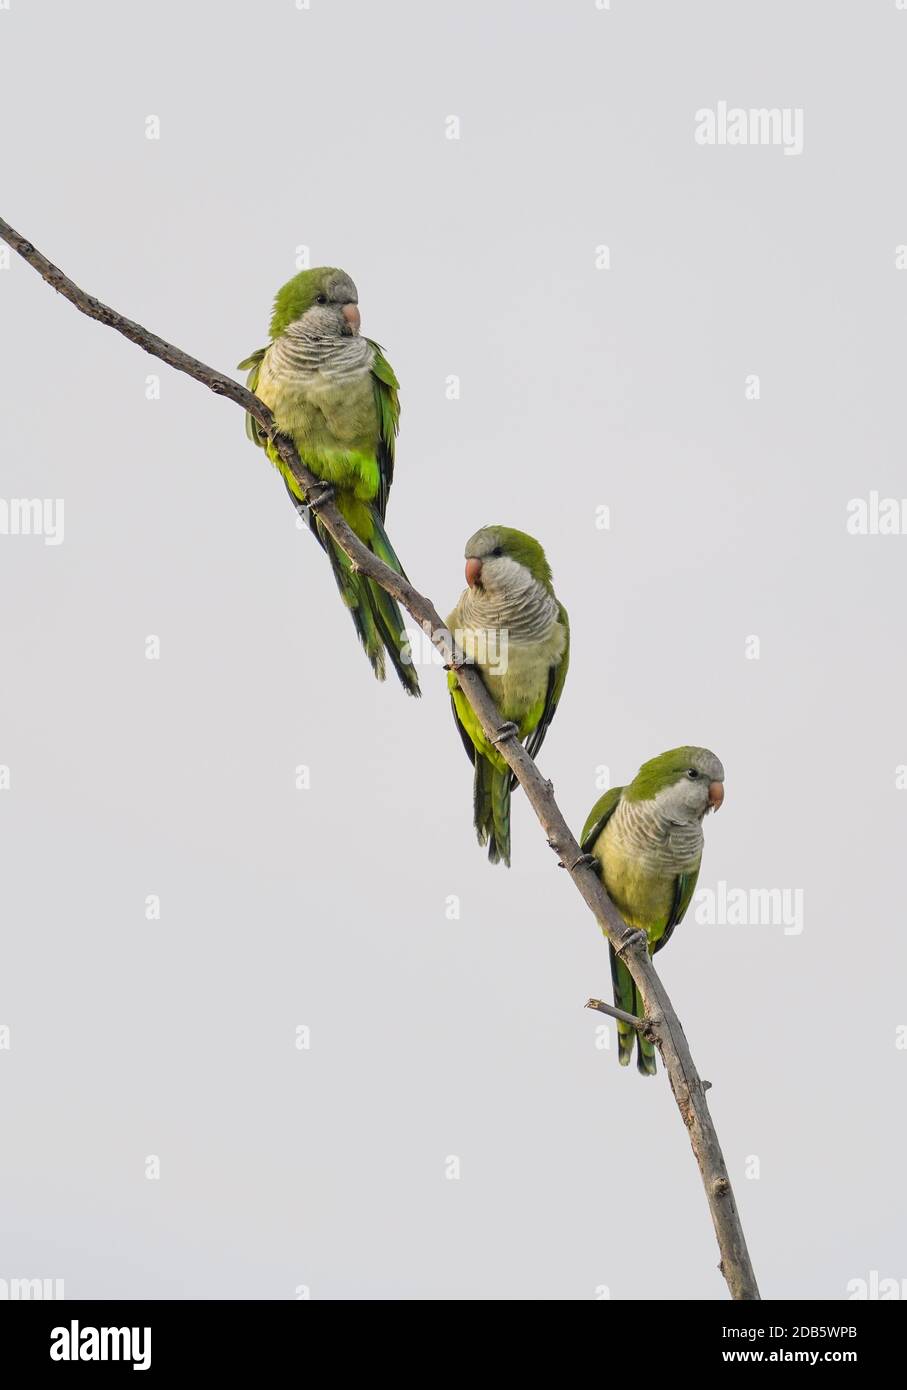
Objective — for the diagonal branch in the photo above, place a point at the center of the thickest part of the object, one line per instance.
(661, 1021)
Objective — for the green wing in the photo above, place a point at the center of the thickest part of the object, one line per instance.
(387, 400)
(465, 718)
(464, 736)
(556, 677)
(598, 818)
(683, 893)
(253, 365)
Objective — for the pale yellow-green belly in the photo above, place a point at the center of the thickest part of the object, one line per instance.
(333, 425)
(643, 896)
(516, 673)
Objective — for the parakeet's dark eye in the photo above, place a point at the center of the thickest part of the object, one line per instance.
(321, 299)
(497, 552)
(692, 774)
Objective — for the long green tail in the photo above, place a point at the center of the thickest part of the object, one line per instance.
(387, 613)
(491, 803)
(626, 997)
(376, 616)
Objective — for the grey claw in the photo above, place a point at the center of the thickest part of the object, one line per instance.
(506, 731)
(318, 495)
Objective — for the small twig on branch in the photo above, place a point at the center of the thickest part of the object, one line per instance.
(662, 1022)
(641, 1024)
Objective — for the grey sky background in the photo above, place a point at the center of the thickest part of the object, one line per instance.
(579, 388)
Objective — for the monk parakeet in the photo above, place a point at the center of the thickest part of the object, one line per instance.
(647, 838)
(335, 395)
(510, 625)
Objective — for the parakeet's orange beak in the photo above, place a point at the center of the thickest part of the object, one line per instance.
(352, 315)
(716, 795)
(473, 572)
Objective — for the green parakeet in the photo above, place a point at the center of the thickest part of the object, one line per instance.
(334, 394)
(647, 838)
(510, 625)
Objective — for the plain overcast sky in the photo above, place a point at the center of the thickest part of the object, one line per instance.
(580, 388)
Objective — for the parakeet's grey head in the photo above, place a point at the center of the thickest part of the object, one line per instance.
(321, 303)
(498, 558)
(685, 783)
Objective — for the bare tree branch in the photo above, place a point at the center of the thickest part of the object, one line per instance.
(661, 1022)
